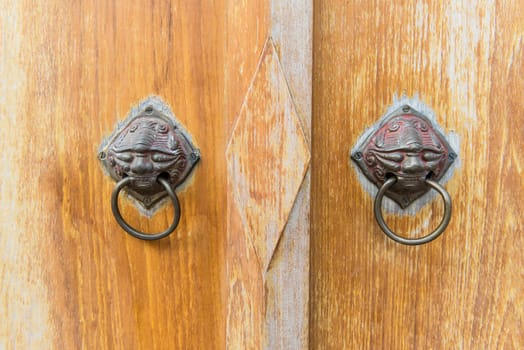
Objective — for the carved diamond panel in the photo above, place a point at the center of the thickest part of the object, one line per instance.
(267, 157)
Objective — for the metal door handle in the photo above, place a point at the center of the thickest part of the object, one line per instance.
(416, 241)
(134, 232)
(149, 155)
(404, 155)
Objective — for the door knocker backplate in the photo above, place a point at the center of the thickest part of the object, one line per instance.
(149, 155)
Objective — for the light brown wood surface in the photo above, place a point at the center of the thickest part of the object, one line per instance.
(268, 159)
(465, 59)
(70, 278)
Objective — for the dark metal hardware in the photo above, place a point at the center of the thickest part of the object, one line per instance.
(149, 155)
(416, 241)
(404, 155)
(134, 232)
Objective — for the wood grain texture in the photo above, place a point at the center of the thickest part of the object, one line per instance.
(249, 20)
(267, 157)
(465, 59)
(70, 278)
(287, 281)
(268, 196)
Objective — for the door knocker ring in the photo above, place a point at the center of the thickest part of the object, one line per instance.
(134, 232)
(412, 241)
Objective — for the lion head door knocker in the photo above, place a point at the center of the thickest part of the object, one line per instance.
(149, 155)
(405, 156)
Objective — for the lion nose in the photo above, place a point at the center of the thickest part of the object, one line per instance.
(141, 165)
(412, 164)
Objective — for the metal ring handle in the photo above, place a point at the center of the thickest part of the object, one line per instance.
(134, 232)
(416, 241)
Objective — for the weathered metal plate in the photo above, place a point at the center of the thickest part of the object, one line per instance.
(150, 143)
(406, 145)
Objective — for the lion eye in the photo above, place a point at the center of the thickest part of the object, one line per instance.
(162, 157)
(429, 156)
(395, 157)
(126, 157)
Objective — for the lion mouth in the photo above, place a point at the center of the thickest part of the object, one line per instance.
(412, 181)
(144, 182)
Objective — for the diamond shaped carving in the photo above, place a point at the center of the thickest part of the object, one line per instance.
(267, 157)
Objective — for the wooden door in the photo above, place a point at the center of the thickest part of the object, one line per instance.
(465, 60)
(70, 277)
(238, 76)
(233, 275)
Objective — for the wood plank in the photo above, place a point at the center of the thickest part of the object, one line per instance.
(287, 282)
(267, 158)
(249, 20)
(70, 277)
(464, 60)
(268, 184)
